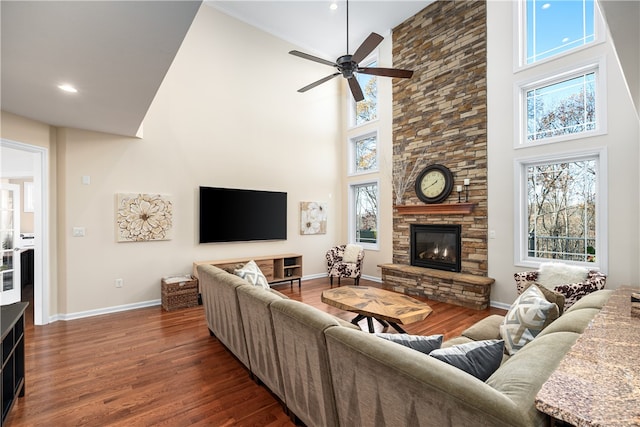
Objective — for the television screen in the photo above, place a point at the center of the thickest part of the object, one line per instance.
(234, 215)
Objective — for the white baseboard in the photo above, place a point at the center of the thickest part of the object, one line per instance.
(501, 305)
(107, 310)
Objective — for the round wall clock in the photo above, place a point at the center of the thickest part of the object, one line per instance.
(434, 184)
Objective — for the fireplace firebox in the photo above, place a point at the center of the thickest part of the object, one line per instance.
(436, 246)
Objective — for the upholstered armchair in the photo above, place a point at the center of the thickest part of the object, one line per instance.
(345, 261)
(576, 284)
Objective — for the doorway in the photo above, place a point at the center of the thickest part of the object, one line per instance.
(21, 160)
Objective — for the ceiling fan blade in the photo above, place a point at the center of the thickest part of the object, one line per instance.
(319, 82)
(312, 58)
(386, 72)
(367, 47)
(355, 89)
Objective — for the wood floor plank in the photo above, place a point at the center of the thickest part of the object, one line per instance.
(149, 367)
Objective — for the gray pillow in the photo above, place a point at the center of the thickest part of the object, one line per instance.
(478, 358)
(417, 342)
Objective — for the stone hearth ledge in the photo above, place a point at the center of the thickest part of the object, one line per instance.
(466, 290)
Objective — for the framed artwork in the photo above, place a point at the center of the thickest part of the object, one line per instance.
(313, 217)
(143, 217)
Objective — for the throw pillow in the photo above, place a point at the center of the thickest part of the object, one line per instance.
(552, 296)
(528, 315)
(478, 358)
(417, 342)
(252, 274)
(551, 274)
(351, 253)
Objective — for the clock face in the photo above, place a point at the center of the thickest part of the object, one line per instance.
(434, 184)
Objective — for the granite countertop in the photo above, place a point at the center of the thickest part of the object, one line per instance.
(598, 381)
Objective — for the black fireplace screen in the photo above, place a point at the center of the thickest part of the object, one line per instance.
(436, 246)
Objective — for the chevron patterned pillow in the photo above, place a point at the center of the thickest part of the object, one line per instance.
(252, 274)
(528, 315)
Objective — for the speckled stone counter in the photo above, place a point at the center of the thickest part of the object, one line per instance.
(598, 381)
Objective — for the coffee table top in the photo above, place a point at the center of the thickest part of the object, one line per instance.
(377, 303)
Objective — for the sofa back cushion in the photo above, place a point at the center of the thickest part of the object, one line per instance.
(521, 377)
(302, 351)
(595, 299)
(260, 335)
(221, 308)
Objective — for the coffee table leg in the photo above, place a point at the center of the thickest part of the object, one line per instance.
(370, 324)
(397, 327)
(356, 319)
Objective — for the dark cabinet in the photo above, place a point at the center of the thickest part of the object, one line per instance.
(12, 349)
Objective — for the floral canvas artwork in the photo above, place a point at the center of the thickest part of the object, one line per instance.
(143, 217)
(313, 217)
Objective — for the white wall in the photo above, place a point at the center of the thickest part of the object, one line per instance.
(621, 143)
(227, 114)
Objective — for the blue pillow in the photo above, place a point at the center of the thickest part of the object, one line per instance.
(417, 342)
(478, 358)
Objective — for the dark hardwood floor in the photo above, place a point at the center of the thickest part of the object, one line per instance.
(149, 367)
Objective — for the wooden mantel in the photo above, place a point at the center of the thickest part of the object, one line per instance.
(437, 209)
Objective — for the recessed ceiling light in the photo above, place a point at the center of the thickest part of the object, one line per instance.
(333, 6)
(566, 39)
(546, 5)
(67, 88)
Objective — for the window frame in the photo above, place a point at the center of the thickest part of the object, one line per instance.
(521, 256)
(352, 153)
(373, 57)
(352, 223)
(520, 29)
(598, 66)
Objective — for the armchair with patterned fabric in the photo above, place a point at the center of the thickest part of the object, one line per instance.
(345, 261)
(572, 282)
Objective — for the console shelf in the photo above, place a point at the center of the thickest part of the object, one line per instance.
(12, 350)
(276, 268)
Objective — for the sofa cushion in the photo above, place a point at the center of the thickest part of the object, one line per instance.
(252, 274)
(529, 314)
(574, 321)
(423, 344)
(485, 329)
(596, 299)
(552, 274)
(522, 376)
(478, 358)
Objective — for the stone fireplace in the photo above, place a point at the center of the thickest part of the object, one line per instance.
(436, 246)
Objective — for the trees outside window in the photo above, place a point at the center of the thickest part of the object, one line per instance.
(562, 205)
(364, 154)
(364, 199)
(561, 108)
(367, 109)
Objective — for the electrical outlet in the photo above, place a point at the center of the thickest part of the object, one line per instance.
(119, 283)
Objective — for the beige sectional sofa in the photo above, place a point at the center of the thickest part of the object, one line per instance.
(329, 373)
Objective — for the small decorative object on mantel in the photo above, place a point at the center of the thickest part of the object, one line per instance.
(635, 304)
(143, 217)
(313, 218)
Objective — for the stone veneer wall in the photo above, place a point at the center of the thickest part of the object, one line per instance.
(443, 108)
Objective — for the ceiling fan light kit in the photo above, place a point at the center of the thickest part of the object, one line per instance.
(347, 65)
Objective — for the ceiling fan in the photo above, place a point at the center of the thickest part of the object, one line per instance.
(347, 65)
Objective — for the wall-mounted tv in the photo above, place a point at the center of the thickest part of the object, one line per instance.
(235, 215)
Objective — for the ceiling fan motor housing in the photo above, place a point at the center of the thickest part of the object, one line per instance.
(347, 66)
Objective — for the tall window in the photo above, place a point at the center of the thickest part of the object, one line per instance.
(367, 109)
(560, 107)
(364, 218)
(364, 154)
(557, 26)
(562, 202)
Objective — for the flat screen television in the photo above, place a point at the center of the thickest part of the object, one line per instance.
(235, 215)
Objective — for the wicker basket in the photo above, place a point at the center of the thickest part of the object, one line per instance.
(179, 292)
